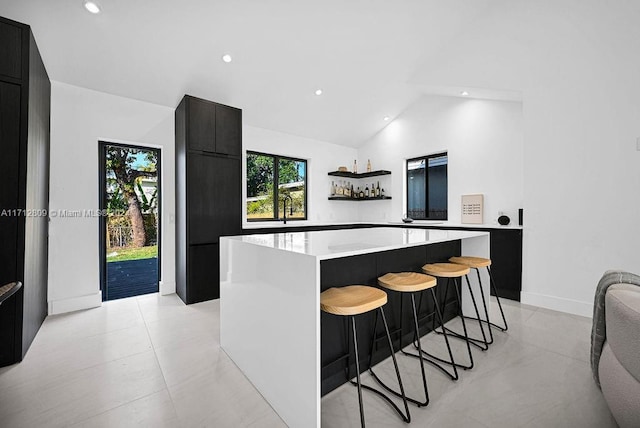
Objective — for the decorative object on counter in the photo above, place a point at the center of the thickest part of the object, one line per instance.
(472, 209)
(504, 220)
(343, 169)
(368, 165)
(406, 219)
(355, 166)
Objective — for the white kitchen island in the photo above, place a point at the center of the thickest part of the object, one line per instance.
(270, 323)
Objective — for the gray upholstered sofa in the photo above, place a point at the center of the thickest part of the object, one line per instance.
(617, 367)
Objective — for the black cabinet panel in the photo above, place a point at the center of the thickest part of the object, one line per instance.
(506, 258)
(201, 125)
(228, 130)
(214, 194)
(203, 272)
(10, 50)
(208, 192)
(24, 174)
(9, 176)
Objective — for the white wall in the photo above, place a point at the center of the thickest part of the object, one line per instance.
(574, 61)
(484, 143)
(79, 119)
(321, 157)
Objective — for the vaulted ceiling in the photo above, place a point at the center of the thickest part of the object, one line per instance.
(362, 54)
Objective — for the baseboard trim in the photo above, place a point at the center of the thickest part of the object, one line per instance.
(75, 303)
(561, 304)
(166, 288)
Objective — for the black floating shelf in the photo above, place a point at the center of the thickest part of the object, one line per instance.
(339, 198)
(361, 175)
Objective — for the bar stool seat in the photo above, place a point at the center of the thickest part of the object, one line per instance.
(406, 282)
(472, 262)
(353, 300)
(445, 270)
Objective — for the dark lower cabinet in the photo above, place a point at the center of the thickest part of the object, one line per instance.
(203, 272)
(208, 193)
(25, 101)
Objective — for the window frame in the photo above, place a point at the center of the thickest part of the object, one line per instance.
(276, 187)
(426, 184)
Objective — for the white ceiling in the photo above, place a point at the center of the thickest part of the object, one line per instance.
(361, 53)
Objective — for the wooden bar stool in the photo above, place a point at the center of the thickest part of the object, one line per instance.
(355, 300)
(412, 283)
(476, 263)
(453, 272)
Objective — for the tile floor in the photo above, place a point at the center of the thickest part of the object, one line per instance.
(151, 361)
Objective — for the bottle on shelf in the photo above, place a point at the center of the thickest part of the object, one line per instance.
(355, 166)
(360, 193)
(351, 194)
(368, 165)
(378, 190)
(373, 191)
(333, 188)
(382, 193)
(366, 191)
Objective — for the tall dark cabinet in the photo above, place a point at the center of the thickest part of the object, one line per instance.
(25, 94)
(208, 193)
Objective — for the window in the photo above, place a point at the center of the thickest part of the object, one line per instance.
(427, 187)
(265, 200)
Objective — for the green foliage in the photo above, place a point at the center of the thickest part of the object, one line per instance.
(260, 170)
(133, 254)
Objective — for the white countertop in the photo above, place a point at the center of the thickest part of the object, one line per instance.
(329, 244)
(416, 223)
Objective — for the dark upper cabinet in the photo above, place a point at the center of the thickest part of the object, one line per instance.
(201, 128)
(214, 207)
(208, 192)
(213, 127)
(10, 50)
(228, 130)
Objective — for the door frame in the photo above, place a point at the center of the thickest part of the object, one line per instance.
(102, 198)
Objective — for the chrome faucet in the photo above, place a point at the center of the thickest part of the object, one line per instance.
(284, 206)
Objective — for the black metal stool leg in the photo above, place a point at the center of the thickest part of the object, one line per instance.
(405, 416)
(426, 356)
(481, 344)
(359, 384)
(484, 304)
(464, 325)
(475, 307)
(495, 291)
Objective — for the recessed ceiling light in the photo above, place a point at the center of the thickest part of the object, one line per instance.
(92, 6)
(386, 118)
(464, 93)
(318, 91)
(226, 58)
